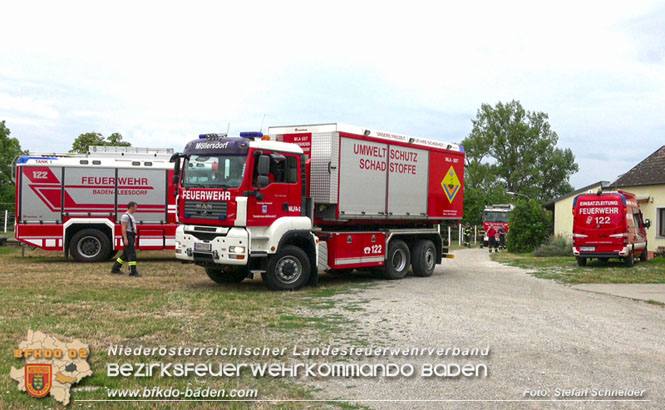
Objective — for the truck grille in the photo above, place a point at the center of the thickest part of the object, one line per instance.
(205, 210)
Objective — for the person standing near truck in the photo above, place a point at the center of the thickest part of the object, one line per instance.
(129, 241)
(502, 238)
(467, 235)
(491, 239)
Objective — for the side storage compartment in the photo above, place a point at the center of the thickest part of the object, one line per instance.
(349, 250)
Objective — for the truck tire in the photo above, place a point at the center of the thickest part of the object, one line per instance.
(398, 260)
(89, 245)
(288, 269)
(111, 255)
(423, 258)
(581, 261)
(644, 257)
(227, 274)
(630, 260)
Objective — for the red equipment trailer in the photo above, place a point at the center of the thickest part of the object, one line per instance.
(73, 203)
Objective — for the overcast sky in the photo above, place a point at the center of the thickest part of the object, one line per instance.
(160, 74)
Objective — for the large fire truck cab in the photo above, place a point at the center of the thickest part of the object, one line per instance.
(305, 199)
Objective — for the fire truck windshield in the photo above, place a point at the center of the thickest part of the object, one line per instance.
(497, 216)
(218, 171)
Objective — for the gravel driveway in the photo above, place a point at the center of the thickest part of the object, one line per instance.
(542, 335)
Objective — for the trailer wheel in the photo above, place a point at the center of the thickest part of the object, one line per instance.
(581, 261)
(227, 274)
(288, 269)
(112, 254)
(89, 245)
(423, 258)
(398, 261)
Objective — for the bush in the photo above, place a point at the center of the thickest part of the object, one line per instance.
(554, 246)
(529, 226)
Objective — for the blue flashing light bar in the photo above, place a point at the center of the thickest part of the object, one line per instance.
(252, 134)
(212, 135)
(24, 160)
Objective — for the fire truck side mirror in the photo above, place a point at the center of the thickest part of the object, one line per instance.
(264, 166)
(647, 223)
(176, 168)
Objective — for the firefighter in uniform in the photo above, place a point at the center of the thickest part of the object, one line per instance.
(129, 240)
(467, 235)
(502, 238)
(481, 237)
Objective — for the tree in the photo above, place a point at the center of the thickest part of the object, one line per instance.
(82, 143)
(529, 226)
(9, 150)
(516, 149)
(116, 140)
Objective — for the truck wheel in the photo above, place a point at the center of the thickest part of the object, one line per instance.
(89, 245)
(630, 260)
(644, 257)
(111, 255)
(398, 261)
(581, 261)
(227, 274)
(423, 258)
(288, 269)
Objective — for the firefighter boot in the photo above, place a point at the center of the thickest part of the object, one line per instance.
(133, 271)
(116, 266)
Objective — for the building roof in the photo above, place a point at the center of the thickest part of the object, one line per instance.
(550, 204)
(651, 171)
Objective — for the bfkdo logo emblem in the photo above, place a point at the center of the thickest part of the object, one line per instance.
(450, 184)
(38, 378)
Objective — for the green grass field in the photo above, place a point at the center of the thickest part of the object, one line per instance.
(565, 269)
(172, 305)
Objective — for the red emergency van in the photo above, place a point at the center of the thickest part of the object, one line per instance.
(609, 225)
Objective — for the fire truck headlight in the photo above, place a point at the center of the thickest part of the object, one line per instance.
(236, 249)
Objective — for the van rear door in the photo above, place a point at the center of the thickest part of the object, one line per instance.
(599, 220)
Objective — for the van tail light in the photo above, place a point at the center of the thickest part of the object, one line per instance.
(619, 235)
(580, 235)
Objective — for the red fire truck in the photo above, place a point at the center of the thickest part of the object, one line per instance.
(496, 216)
(304, 199)
(609, 225)
(73, 203)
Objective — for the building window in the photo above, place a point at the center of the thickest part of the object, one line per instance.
(661, 222)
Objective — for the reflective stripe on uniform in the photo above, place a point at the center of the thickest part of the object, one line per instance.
(120, 261)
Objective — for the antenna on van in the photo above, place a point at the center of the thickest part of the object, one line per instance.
(264, 118)
(228, 127)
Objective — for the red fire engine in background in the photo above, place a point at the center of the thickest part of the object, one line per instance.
(496, 216)
(326, 197)
(73, 203)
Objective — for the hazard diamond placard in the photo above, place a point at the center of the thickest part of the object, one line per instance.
(451, 184)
